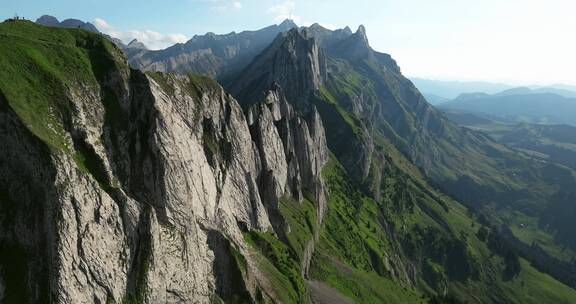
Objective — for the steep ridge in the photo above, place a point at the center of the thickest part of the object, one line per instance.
(296, 63)
(463, 163)
(217, 56)
(123, 186)
(378, 125)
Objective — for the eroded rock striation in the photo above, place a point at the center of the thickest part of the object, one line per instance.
(149, 187)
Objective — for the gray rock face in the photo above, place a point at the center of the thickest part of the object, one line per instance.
(325, 37)
(301, 139)
(305, 150)
(294, 61)
(165, 187)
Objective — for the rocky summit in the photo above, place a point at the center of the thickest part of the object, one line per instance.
(284, 165)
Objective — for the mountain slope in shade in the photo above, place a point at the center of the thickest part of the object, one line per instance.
(545, 144)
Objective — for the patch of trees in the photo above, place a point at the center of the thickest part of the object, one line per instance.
(450, 253)
(501, 247)
(447, 299)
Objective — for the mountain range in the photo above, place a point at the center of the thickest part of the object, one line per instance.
(541, 106)
(48, 20)
(438, 91)
(214, 55)
(285, 165)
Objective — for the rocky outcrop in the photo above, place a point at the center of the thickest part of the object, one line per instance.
(355, 46)
(327, 38)
(135, 44)
(294, 61)
(303, 146)
(149, 194)
(301, 141)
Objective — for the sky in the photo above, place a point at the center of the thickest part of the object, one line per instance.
(511, 41)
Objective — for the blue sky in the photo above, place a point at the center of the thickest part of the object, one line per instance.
(514, 41)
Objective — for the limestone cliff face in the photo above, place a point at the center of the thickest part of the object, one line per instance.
(294, 61)
(295, 67)
(301, 142)
(160, 175)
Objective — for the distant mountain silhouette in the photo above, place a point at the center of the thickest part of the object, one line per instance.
(520, 105)
(451, 89)
(438, 91)
(48, 20)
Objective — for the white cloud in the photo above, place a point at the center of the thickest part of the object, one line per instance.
(102, 25)
(153, 40)
(284, 10)
(222, 5)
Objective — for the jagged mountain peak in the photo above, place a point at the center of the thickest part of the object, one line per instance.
(287, 24)
(135, 44)
(361, 34)
(354, 46)
(326, 38)
(318, 26)
(294, 61)
(347, 30)
(294, 37)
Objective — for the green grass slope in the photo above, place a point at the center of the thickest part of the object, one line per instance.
(506, 186)
(41, 65)
(416, 246)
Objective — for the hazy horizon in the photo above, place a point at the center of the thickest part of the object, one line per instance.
(513, 42)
